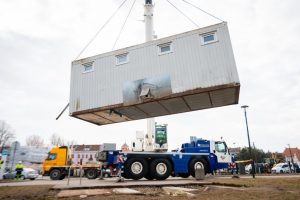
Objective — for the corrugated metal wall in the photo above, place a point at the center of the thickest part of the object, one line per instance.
(190, 66)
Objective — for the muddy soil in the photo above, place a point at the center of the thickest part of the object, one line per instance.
(234, 189)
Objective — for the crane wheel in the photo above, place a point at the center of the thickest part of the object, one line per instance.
(161, 168)
(136, 168)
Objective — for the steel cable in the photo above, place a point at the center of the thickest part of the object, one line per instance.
(123, 25)
(100, 29)
(183, 14)
(202, 10)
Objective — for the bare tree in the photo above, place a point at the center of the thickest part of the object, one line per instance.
(35, 141)
(6, 133)
(71, 143)
(56, 140)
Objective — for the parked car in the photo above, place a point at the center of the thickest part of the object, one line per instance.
(9, 175)
(281, 168)
(27, 173)
(259, 168)
(248, 168)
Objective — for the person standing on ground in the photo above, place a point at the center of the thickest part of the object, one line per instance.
(1, 161)
(120, 162)
(19, 169)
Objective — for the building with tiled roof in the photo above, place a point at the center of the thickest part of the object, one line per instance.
(83, 154)
(288, 153)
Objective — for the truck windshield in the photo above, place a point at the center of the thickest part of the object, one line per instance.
(220, 147)
(51, 156)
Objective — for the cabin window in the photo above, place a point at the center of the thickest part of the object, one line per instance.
(165, 48)
(208, 38)
(51, 156)
(88, 67)
(122, 59)
(220, 147)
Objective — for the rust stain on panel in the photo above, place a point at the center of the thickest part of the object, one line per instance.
(77, 104)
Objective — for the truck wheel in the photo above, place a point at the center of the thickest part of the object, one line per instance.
(55, 174)
(91, 173)
(194, 162)
(136, 168)
(161, 168)
(62, 177)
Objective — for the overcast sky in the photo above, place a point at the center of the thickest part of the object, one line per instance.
(40, 39)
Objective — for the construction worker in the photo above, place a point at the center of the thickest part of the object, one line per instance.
(19, 169)
(120, 162)
(1, 161)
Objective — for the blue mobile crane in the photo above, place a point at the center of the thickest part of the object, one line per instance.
(211, 155)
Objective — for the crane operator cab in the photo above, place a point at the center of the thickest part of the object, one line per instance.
(221, 151)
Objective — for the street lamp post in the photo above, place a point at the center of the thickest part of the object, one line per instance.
(250, 152)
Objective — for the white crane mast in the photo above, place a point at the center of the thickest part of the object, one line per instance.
(148, 17)
(148, 142)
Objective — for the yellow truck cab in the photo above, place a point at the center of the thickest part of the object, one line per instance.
(57, 163)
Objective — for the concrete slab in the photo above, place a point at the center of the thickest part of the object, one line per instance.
(91, 192)
(111, 183)
(126, 191)
(226, 187)
(179, 191)
(199, 172)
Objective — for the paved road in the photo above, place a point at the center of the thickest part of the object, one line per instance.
(111, 182)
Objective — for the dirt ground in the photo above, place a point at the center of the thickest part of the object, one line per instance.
(279, 188)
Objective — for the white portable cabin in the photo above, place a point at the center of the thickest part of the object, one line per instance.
(185, 72)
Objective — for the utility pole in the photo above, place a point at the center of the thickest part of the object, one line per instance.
(253, 167)
(254, 152)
